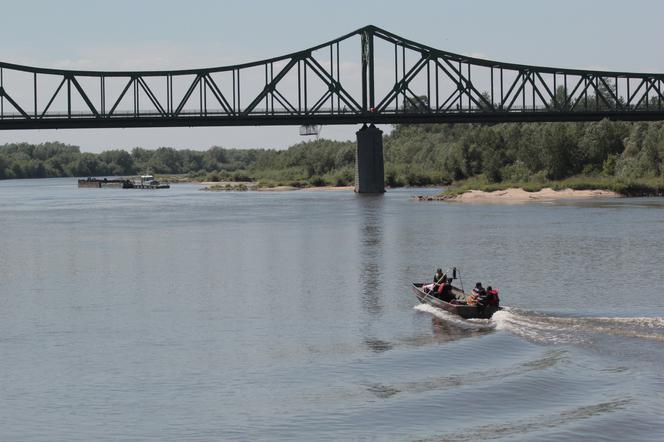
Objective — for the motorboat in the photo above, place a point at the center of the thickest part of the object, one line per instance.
(453, 299)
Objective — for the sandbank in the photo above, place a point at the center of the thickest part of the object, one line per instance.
(517, 196)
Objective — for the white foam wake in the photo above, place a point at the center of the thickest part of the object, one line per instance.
(534, 328)
(571, 329)
(551, 329)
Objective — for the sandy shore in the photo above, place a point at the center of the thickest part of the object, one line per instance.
(515, 196)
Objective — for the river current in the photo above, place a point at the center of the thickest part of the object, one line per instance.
(182, 315)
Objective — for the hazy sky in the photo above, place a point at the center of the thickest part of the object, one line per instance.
(166, 34)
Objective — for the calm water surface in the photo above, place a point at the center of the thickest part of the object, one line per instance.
(181, 315)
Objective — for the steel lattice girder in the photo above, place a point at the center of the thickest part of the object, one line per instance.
(314, 86)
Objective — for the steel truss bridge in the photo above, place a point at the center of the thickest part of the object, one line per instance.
(366, 76)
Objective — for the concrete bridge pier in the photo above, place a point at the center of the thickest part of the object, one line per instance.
(369, 167)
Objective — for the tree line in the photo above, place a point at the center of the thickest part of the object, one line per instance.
(414, 155)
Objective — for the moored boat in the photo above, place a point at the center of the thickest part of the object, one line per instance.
(457, 305)
(148, 182)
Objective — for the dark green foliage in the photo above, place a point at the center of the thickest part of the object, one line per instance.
(525, 152)
(52, 159)
(415, 155)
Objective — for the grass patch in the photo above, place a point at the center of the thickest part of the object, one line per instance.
(241, 187)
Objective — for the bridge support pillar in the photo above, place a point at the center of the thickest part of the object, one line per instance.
(369, 167)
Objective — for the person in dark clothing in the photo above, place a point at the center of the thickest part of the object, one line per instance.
(438, 278)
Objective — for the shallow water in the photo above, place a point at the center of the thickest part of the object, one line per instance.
(187, 316)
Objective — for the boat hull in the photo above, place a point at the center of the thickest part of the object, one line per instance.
(465, 311)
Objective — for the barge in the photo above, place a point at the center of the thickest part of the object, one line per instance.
(94, 183)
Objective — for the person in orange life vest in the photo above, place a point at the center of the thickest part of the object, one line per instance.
(477, 294)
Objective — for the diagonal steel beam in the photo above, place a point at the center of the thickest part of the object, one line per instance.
(599, 93)
(517, 80)
(583, 91)
(612, 93)
(521, 89)
(451, 99)
(3, 93)
(284, 101)
(151, 96)
(270, 86)
(329, 80)
(326, 96)
(630, 98)
(401, 85)
(650, 86)
(212, 85)
(122, 94)
(537, 91)
(84, 96)
(469, 87)
(55, 94)
(417, 101)
(548, 91)
(656, 89)
(568, 98)
(187, 95)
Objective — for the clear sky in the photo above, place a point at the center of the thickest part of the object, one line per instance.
(165, 34)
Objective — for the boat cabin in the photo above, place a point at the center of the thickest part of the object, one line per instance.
(147, 179)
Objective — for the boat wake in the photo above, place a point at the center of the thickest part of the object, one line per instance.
(534, 327)
(552, 329)
(573, 329)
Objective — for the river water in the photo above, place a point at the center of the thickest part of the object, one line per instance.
(181, 315)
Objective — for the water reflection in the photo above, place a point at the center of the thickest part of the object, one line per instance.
(371, 251)
(447, 331)
(377, 345)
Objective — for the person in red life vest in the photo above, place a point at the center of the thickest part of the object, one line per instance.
(488, 297)
(442, 287)
(492, 296)
(444, 291)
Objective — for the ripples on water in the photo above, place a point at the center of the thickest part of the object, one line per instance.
(186, 316)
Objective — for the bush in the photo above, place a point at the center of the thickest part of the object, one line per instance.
(241, 177)
(609, 165)
(317, 181)
(516, 172)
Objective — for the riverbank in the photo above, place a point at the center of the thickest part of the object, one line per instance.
(518, 195)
